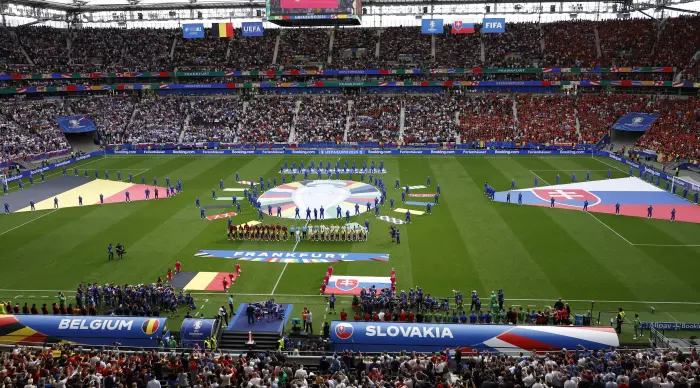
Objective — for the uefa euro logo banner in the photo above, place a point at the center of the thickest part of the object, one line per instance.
(462, 28)
(192, 31)
(493, 26)
(635, 121)
(252, 29)
(431, 26)
(75, 124)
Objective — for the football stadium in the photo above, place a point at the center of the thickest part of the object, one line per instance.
(336, 193)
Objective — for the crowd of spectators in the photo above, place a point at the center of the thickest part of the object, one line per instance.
(404, 46)
(303, 48)
(626, 42)
(66, 366)
(597, 112)
(157, 120)
(138, 49)
(252, 53)
(268, 119)
(354, 48)
(430, 118)
(678, 42)
(487, 118)
(676, 133)
(519, 46)
(214, 119)
(29, 128)
(563, 43)
(569, 44)
(208, 53)
(321, 119)
(374, 118)
(458, 50)
(546, 119)
(47, 47)
(111, 114)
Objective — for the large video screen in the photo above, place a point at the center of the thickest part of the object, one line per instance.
(313, 7)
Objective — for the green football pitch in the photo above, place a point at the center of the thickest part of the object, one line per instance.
(535, 254)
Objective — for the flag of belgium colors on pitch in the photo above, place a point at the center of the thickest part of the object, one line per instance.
(150, 326)
(222, 30)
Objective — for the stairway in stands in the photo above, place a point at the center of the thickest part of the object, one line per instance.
(235, 341)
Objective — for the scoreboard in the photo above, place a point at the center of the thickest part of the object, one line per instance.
(314, 12)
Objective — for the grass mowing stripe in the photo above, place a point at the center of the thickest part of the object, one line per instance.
(28, 222)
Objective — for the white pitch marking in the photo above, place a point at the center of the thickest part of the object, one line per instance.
(613, 230)
(287, 263)
(672, 317)
(666, 245)
(28, 222)
(610, 165)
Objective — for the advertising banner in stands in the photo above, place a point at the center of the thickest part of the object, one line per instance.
(431, 26)
(636, 122)
(294, 72)
(671, 326)
(194, 331)
(75, 124)
(252, 29)
(192, 31)
(426, 337)
(493, 26)
(83, 330)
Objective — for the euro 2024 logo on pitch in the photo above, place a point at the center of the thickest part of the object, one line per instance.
(344, 330)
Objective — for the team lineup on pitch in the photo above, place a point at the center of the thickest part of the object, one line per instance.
(170, 228)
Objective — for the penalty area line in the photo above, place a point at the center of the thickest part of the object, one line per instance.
(610, 165)
(667, 245)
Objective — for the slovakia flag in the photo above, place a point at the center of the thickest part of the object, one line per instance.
(462, 28)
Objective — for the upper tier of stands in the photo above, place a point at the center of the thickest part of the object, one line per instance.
(565, 44)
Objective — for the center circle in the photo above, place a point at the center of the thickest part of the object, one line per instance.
(314, 194)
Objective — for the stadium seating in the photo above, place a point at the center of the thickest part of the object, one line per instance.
(636, 42)
(214, 119)
(596, 113)
(546, 119)
(110, 114)
(157, 120)
(429, 119)
(570, 44)
(374, 118)
(676, 133)
(321, 119)
(271, 120)
(575, 367)
(29, 128)
(487, 118)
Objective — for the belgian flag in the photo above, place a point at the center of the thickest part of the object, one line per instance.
(150, 326)
(222, 30)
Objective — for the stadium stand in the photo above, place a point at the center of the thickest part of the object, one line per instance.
(487, 118)
(555, 113)
(404, 46)
(519, 46)
(111, 115)
(272, 121)
(157, 120)
(596, 113)
(430, 119)
(354, 48)
(569, 43)
(303, 48)
(374, 118)
(676, 133)
(214, 119)
(29, 128)
(321, 119)
(570, 368)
